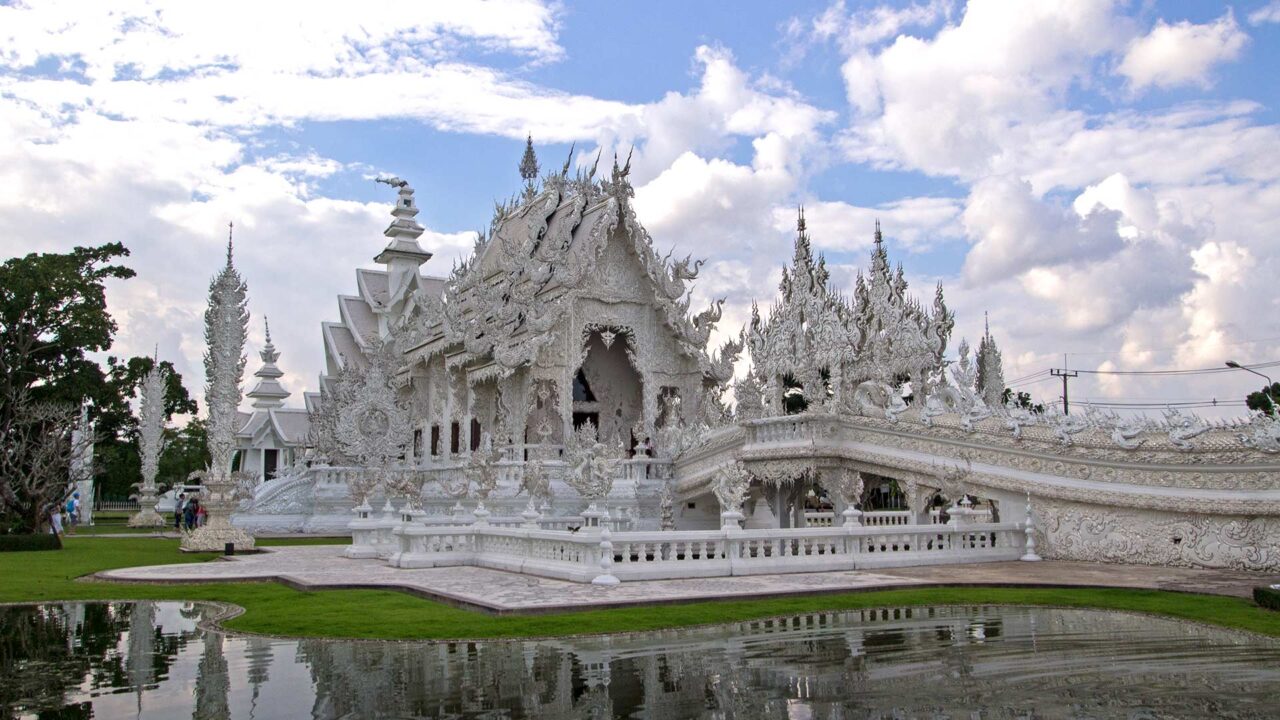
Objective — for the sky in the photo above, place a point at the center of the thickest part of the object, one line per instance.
(1100, 178)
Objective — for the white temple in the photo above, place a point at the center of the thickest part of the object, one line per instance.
(272, 437)
(557, 379)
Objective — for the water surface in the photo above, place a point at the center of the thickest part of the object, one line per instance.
(149, 660)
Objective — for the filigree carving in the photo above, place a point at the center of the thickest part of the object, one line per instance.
(730, 486)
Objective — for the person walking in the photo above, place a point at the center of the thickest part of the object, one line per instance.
(179, 508)
(73, 512)
(189, 514)
(55, 519)
(200, 516)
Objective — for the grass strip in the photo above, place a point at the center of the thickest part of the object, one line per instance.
(272, 608)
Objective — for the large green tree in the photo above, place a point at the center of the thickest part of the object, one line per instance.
(53, 313)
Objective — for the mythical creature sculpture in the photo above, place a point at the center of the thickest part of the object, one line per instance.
(1124, 432)
(1183, 427)
(535, 481)
(592, 464)
(1016, 417)
(730, 486)
(482, 468)
(1264, 433)
(1065, 426)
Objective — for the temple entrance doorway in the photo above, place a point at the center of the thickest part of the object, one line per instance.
(607, 388)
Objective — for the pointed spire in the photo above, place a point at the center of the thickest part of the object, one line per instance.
(268, 392)
(404, 229)
(529, 163)
(800, 227)
(231, 226)
(879, 237)
(986, 325)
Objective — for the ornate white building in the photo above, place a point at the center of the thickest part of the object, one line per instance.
(559, 373)
(273, 437)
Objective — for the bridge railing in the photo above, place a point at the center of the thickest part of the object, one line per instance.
(657, 555)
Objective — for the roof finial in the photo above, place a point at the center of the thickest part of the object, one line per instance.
(879, 237)
(267, 324)
(986, 323)
(800, 221)
(564, 172)
(529, 163)
(231, 226)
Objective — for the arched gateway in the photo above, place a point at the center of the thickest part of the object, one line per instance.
(555, 387)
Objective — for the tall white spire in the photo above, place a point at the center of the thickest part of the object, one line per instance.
(404, 229)
(268, 392)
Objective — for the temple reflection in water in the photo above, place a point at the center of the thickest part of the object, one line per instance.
(151, 660)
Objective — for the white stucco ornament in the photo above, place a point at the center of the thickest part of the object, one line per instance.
(225, 328)
(150, 444)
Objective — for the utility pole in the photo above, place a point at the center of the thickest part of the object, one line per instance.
(1064, 374)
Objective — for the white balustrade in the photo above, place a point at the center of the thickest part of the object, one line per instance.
(816, 518)
(881, 518)
(653, 555)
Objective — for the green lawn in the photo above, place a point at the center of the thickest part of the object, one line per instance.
(275, 609)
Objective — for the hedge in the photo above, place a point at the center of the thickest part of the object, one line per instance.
(39, 541)
(1267, 596)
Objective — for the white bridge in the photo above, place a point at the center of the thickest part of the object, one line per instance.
(1210, 501)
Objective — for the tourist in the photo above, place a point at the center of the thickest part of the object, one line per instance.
(178, 508)
(73, 512)
(200, 516)
(189, 513)
(55, 519)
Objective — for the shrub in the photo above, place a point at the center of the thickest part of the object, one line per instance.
(37, 541)
(1268, 596)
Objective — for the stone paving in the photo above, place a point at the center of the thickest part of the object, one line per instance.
(323, 567)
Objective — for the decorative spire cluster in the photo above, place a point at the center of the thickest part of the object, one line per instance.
(529, 164)
(819, 339)
(990, 382)
(268, 392)
(225, 327)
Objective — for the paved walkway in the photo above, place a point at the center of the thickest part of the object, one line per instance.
(322, 567)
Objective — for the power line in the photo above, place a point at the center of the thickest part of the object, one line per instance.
(1146, 373)
(1158, 405)
(1177, 347)
(1197, 371)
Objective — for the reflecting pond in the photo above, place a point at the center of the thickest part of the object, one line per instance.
(150, 660)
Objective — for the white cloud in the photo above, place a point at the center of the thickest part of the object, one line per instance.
(946, 105)
(1183, 53)
(1269, 13)
(914, 223)
(1016, 232)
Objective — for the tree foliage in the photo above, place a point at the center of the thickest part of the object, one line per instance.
(53, 313)
(1266, 400)
(1022, 400)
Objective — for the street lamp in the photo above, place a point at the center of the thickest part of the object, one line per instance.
(1238, 366)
